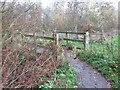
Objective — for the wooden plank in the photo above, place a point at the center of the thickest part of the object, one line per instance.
(73, 46)
(49, 38)
(28, 35)
(72, 32)
(73, 40)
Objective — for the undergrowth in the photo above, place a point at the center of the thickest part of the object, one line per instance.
(65, 77)
(24, 68)
(104, 58)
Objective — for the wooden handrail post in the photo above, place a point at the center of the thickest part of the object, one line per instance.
(43, 39)
(22, 39)
(54, 35)
(35, 42)
(57, 38)
(86, 43)
(67, 37)
(76, 32)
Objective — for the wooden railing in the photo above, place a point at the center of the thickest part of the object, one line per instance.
(56, 37)
(85, 39)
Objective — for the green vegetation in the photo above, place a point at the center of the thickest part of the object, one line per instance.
(105, 58)
(24, 67)
(65, 77)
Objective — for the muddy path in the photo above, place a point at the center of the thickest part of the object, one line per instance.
(87, 76)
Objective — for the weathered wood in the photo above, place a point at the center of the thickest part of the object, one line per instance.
(43, 39)
(56, 38)
(84, 41)
(22, 37)
(73, 40)
(72, 32)
(67, 37)
(53, 34)
(76, 47)
(76, 32)
(27, 35)
(49, 38)
(35, 42)
(87, 41)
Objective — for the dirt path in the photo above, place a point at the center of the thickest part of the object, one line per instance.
(87, 76)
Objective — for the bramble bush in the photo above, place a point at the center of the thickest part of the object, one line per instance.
(24, 68)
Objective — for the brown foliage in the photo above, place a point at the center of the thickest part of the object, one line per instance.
(24, 68)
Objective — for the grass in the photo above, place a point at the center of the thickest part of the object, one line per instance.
(105, 58)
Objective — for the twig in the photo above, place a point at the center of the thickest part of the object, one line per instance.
(28, 71)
